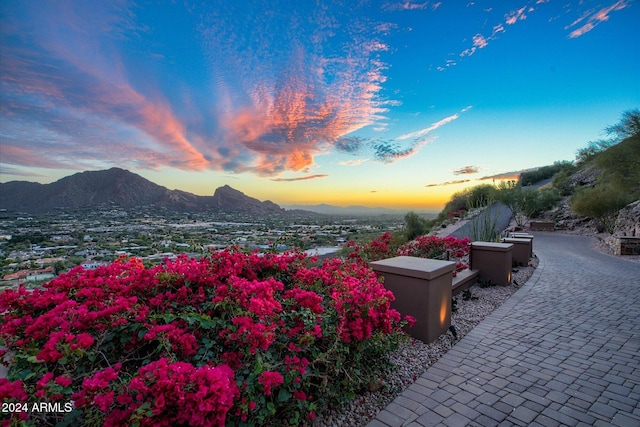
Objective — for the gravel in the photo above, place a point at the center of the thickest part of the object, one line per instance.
(414, 357)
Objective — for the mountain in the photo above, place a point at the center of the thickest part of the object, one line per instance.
(227, 199)
(117, 187)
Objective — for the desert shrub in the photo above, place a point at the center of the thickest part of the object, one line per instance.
(469, 198)
(234, 338)
(484, 226)
(545, 172)
(593, 148)
(457, 202)
(621, 164)
(601, 202)
(547, 199)
(535, 202)
(562, 181)
(480, 196)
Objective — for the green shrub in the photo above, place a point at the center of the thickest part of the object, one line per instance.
(562, 181)
(545, 172)
(601, 202)
(469, 198)
(414, 225)
(621, 165)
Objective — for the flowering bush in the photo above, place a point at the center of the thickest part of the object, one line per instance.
(449, 247)
(457, 213)
(230, 339)
(424, 247)
(382, 247)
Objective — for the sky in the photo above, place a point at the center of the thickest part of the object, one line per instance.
(377, 103)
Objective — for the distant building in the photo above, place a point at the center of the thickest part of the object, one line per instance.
(92, 265)
(31, 275)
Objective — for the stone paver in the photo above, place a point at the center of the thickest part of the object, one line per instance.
(563, 350)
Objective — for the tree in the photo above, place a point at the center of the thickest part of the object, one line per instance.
(526, 203)
(481, 196)
(414, 225)
(628, 126)
(587, 153)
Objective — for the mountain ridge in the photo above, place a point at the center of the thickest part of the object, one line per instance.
(121, 188)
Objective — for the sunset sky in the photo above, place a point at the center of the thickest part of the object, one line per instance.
(376, 103)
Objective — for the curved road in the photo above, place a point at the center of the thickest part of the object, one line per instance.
(563, 350)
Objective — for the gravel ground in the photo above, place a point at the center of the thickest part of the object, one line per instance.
(414, 357)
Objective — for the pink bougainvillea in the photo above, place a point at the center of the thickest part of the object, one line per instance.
(450, 248)
(230, 338)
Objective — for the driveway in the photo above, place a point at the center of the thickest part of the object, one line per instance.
(563, 350)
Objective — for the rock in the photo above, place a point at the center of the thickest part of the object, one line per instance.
(628, 221)
(585, 177)
(375, 385)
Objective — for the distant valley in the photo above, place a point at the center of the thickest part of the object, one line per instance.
(354, 210)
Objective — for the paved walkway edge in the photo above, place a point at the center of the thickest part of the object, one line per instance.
(563, 350)
(404, 411)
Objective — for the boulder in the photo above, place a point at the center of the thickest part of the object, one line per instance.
(628, 221)
(586, 177)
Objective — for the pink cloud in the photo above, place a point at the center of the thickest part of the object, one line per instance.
(406, 5)
(13, 154)
(302, 178)
(269, 110)
(479, 41)
(594, 18)
(87, 86)
(466, 170)
(443, 184)
(516, 15)
(514, 175)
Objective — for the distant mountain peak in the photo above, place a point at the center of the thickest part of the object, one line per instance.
(116, 187)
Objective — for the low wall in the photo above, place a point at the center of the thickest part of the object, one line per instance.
(542, 225)
(626, 245)
(422, 289)
(493, 260)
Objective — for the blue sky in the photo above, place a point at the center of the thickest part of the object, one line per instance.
(377, 103)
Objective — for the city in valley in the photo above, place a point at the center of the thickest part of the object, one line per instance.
(36, 248)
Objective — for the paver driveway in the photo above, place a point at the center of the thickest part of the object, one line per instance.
(563, 350)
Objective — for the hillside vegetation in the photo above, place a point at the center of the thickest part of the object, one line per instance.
(604, 178)
(616, 168)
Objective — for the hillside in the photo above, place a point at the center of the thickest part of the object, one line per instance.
(601, 195)
(120, 188)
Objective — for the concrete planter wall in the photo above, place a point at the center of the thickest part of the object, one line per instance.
(524, 236)
(493, 260)
(422, 288)
(521, 250)
(542, 226)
